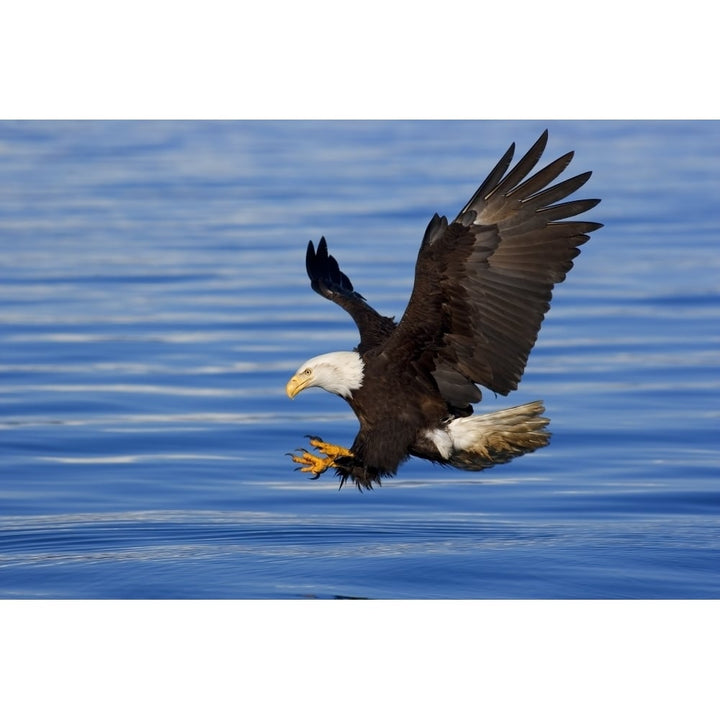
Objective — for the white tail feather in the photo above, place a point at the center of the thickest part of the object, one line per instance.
(480, 441)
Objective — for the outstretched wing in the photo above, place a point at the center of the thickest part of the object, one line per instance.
(328, 280)
(483, 283)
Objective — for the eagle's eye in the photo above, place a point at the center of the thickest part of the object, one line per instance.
(308, 371)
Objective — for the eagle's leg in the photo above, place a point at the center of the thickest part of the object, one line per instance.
(318, 465)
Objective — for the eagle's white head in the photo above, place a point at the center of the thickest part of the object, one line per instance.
(336, 372)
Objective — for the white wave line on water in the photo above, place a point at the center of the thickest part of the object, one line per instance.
(147, 389)
(140, 368)
(124, 459)
(154, 335)
(180, 517)
(116, 420)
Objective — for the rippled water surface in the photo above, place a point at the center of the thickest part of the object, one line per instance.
(153, 303)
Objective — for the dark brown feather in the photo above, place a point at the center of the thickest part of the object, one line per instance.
(328, 280)
(482, 289)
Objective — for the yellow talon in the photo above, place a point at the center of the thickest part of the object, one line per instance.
(318, 465)
(332, 451)
(312, 463)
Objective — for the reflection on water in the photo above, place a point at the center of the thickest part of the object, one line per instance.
(111, 551)
(153, 302)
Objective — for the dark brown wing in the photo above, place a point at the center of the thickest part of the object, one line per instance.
(328, 280)
(484, 282)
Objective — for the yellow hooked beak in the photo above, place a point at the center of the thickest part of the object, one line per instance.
(297, 383)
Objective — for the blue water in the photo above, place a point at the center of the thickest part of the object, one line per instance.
(153, 303)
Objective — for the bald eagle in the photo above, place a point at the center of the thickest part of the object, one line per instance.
(483, 284)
